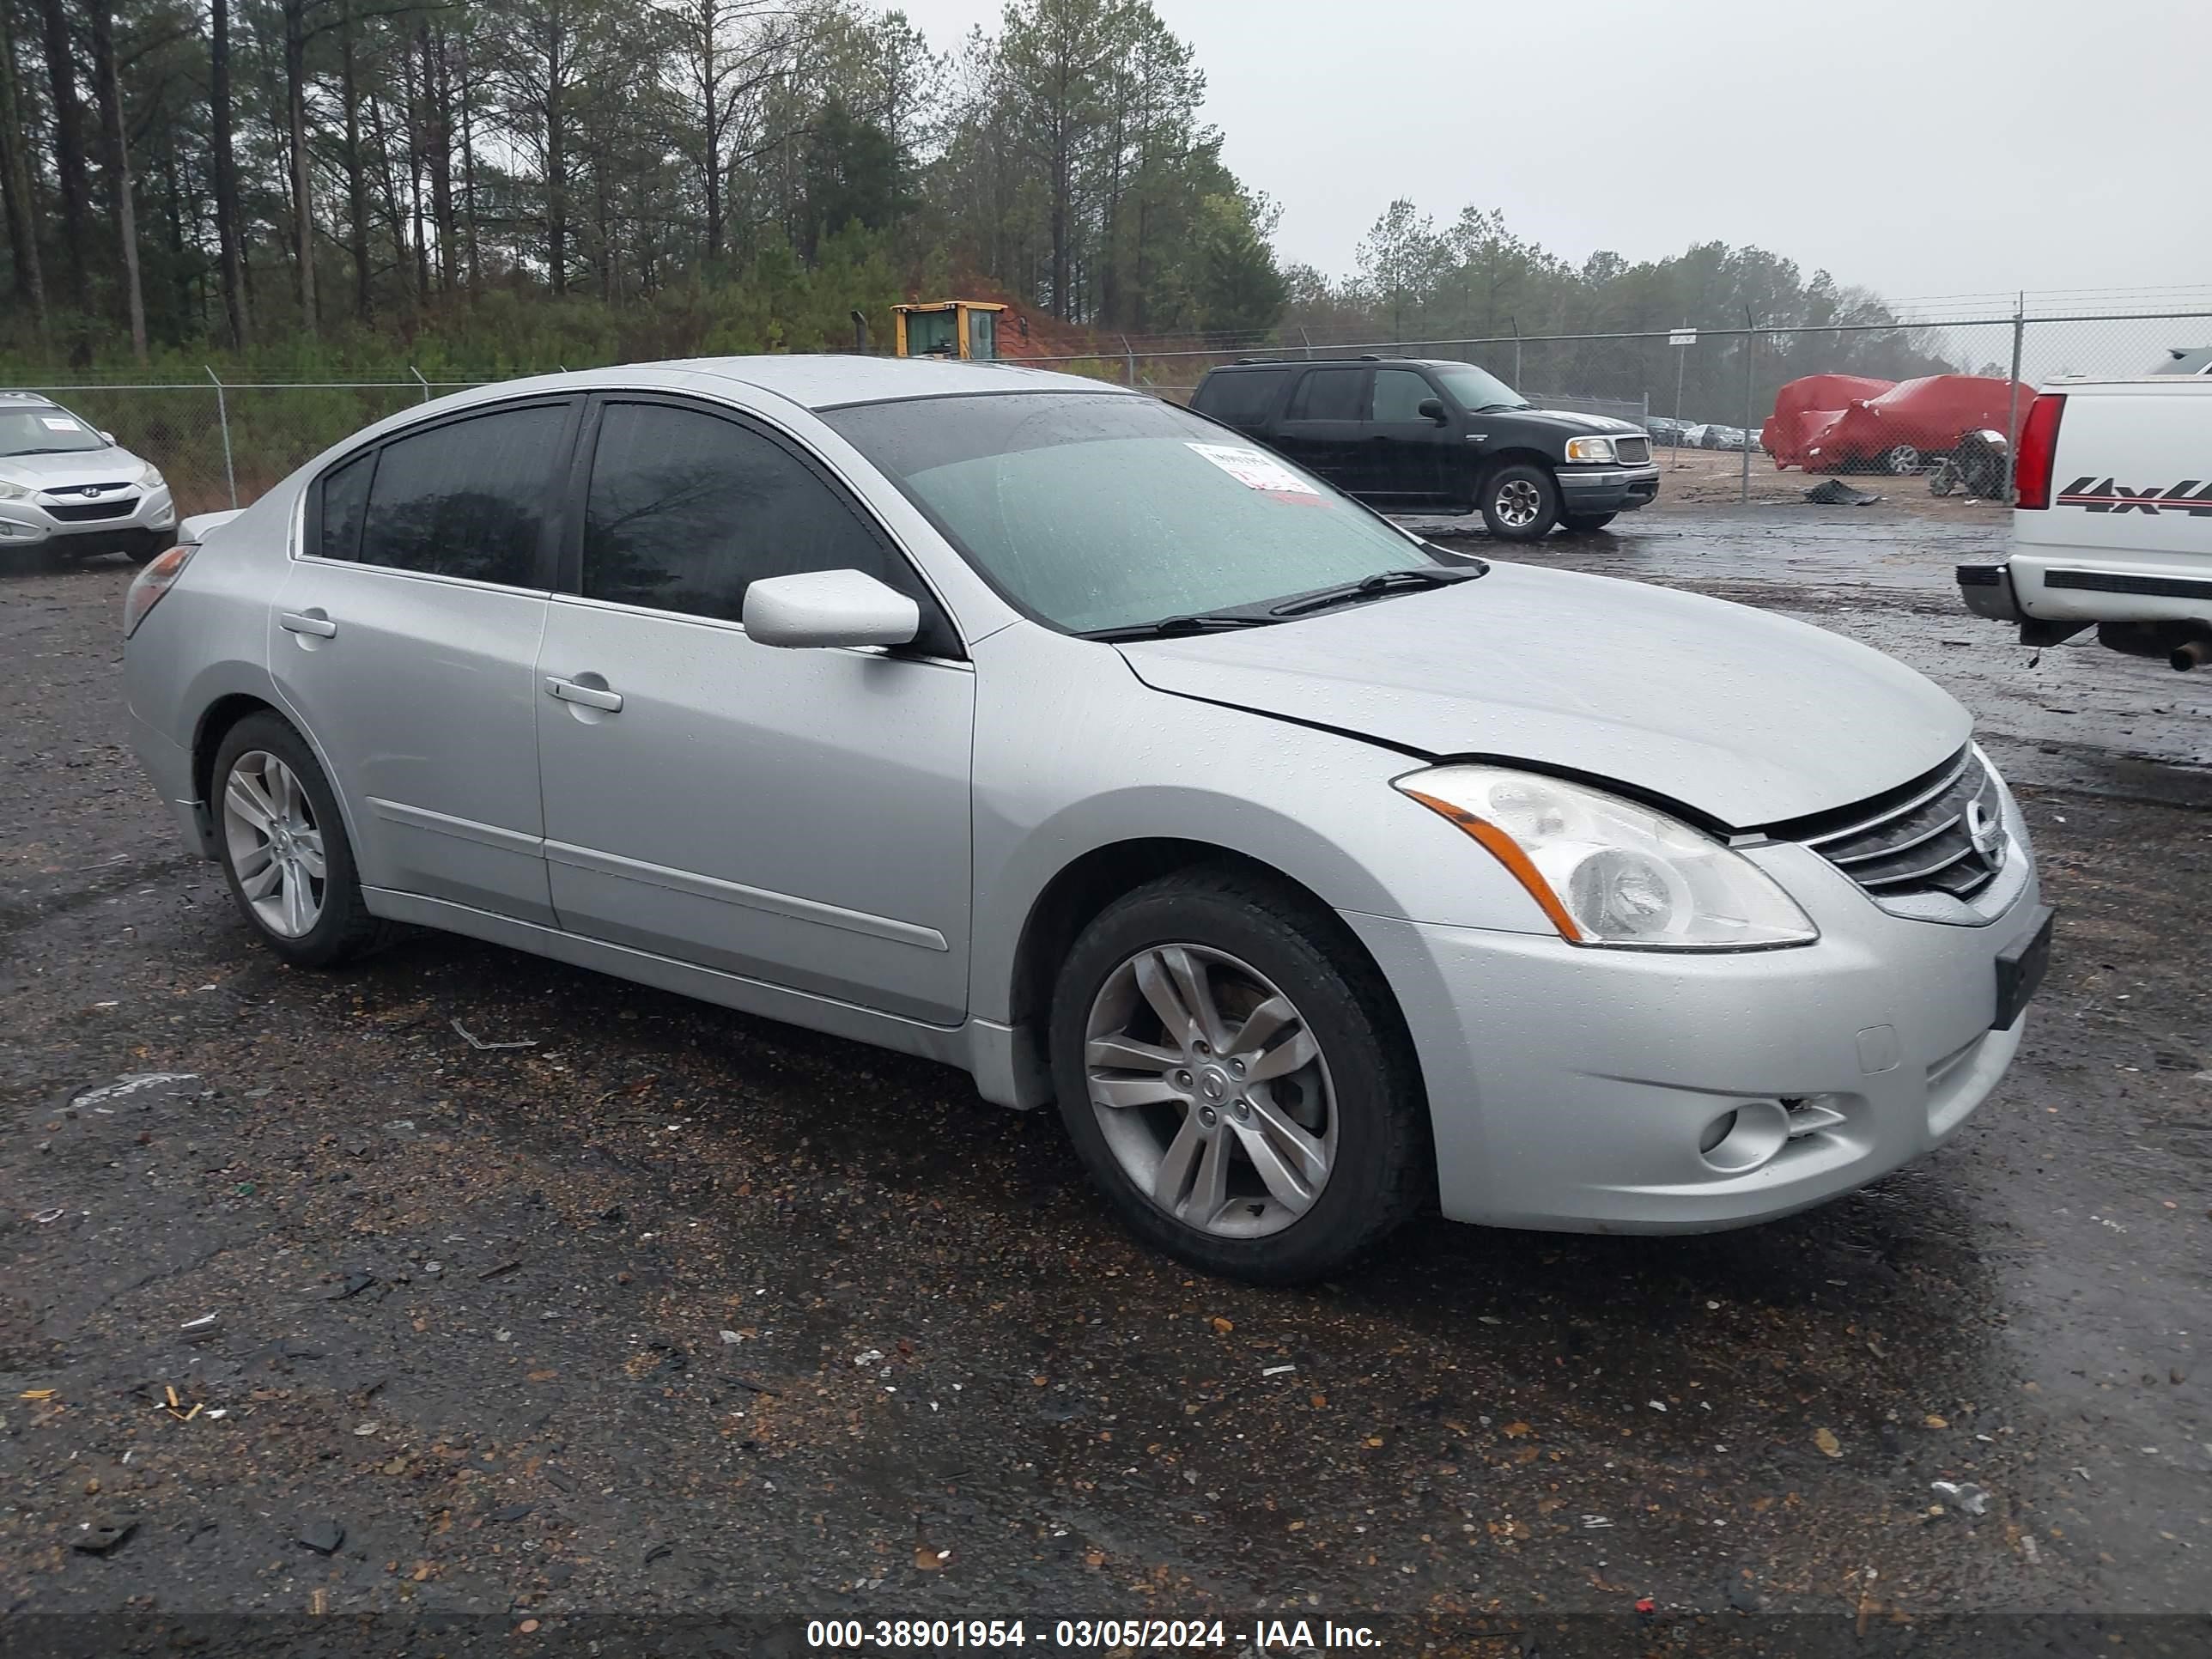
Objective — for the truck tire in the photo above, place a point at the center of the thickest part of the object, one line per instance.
(1520, 502)
(1582, 524)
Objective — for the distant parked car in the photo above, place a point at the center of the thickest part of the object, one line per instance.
(68, 490)
(1664, 430)
(1902, 428)
(1694, 437)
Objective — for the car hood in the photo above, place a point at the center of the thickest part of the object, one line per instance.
(84, 466)
(1747, 717)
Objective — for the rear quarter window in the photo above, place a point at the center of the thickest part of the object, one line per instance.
(1241, 397)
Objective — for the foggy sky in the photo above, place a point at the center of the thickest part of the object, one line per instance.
(1923, 148)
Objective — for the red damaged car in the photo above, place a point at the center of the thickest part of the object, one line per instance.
(1846, 422)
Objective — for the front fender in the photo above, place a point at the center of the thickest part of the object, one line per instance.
(1074, 754)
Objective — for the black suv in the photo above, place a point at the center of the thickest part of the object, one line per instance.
(1415, 436)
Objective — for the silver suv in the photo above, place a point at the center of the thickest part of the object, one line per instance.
(1045, 729)
(68, 490)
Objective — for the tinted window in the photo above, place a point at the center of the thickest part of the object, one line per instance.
(1241, 397)
(1328, 394)
(346, 493)
(465, 499)
(1398, 396)
(686, 510)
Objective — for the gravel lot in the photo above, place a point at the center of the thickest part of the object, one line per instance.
(673, 1313)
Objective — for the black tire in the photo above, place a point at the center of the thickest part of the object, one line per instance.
(1383, 1168)
(145, 547)
(1583, 523)
(345, 929)
(1506, 495)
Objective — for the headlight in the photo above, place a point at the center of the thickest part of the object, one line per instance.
(12, 491)
(1590, 449)
(1608, 872)
(150, 478)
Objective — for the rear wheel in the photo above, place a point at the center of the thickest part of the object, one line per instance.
(1900, 459)
(1237, 1080)
(1583, 523)
(283, 847)
(1521, 502)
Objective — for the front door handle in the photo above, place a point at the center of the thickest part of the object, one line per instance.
(294, 621)
(589, 696)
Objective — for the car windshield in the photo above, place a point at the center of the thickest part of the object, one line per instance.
(1114, 511)
(1477, 388)
(43, 429)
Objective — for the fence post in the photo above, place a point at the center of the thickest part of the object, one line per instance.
(1516, 322)
(2012, 393)
(223, 420)
(1128, 361)
(1749, 346)
(1308, 339)
(420, 381)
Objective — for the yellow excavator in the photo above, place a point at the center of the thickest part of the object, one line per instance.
(948, 328)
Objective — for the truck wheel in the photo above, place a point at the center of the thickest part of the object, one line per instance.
(1583, 523)
(1521, 502)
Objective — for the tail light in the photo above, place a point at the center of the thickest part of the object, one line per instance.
(2038, 443)
(148, 587)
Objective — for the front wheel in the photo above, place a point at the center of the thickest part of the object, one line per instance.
(1521, 502)
(1583, 523)
(1237, 1080)
(1900, 459)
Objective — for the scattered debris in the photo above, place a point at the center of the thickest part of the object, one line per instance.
(1834, 492)
(1967, 1496)
(656, 1552)
(512, 1511)
(475, 1042)
(929, 1560)
(1596, 1522)
(1826, 1441)
(104, 1537)
(132, 1084)
(1276, 1370)
(352, 1285)
(730, 1339)
(45, 1217)
(868, 1358)
(498, 1268)
(1656, 1405)
(322, 1536)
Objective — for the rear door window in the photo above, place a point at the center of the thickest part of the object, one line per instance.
(467, 498)
(1329, 394)
(341, 508)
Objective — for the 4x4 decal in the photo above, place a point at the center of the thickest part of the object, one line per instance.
(2103, 495)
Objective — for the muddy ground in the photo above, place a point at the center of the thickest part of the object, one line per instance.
(676, 1314)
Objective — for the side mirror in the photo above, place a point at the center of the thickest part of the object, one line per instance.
(107, 437)
(1432, 409)
(822, 608)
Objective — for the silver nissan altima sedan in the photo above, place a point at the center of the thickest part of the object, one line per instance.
(1315, 874)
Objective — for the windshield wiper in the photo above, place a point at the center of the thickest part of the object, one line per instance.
(13, 452)
(1368, 588)
(1168, 627)
(1492, 409)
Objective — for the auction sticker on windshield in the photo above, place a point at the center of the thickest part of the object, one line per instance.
(1255, 471)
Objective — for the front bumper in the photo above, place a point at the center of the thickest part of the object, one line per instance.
(56, 523)
(1606, 488)
(1572, 1089)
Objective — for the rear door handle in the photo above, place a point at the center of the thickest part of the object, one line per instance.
(293, 622)
(590, 695)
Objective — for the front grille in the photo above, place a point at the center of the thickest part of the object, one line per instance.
(91, 511)
(1941, 833)
(1634, 451)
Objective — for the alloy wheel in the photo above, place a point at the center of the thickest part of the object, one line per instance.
(1210, 1091)
(275, 845)
(1518, 503)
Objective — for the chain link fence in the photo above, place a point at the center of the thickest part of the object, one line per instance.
(221, 443)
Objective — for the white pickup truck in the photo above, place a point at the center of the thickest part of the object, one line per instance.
(2113, 524)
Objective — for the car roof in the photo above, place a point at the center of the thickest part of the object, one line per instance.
(1343, 362)
(27, 400)
(831, 381)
